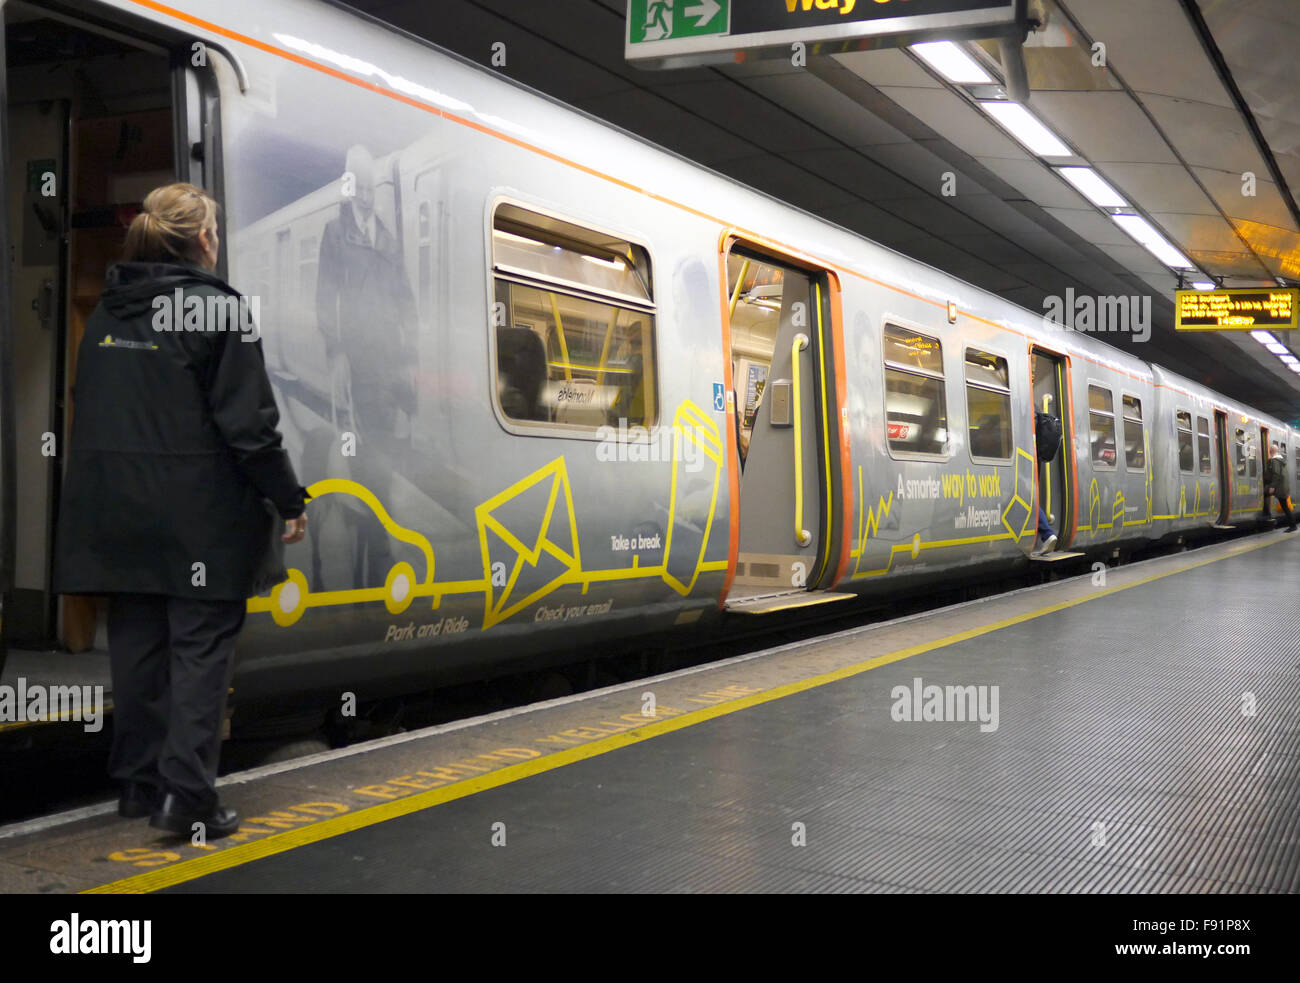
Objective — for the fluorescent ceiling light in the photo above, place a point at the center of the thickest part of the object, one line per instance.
(1094, 188)
(1294, 368)
(1290, 359)
(1264, 337)
(1277, 349)
(1202, 285)
(953, 63)
(1027, 129)
(1159, 247)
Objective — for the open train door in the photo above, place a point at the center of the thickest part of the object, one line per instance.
(6, 380)
(784, 427)
(1055, 479)
(1225, 470)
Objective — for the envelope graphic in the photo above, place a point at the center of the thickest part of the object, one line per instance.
(528, 535)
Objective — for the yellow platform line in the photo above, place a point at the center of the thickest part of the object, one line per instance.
(188, 870)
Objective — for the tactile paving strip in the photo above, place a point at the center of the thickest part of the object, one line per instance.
(1148, 741)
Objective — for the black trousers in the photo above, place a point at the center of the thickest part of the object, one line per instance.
(172, 660)
(1281, 500)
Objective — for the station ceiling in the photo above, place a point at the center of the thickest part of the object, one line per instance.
(1194, 96)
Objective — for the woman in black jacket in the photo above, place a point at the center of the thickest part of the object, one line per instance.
(174, 448)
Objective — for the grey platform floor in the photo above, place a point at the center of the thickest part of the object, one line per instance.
(1147, 741)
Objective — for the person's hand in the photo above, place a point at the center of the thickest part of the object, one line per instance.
(297, 529)
(1268, 491)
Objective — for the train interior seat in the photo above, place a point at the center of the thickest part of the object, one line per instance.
(521, 373)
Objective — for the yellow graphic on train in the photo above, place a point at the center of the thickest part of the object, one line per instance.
(538, 550)
(1017, 518)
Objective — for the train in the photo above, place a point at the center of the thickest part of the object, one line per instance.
(551, 386)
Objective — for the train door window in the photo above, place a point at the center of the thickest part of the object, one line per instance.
(1297, 464)
(1252, 458)
(988, 405)
(424, 232)
(575, 343)
(1135, 453)
(1186, 450)
(916, 411)
(1239, 443)
(1101, 420)
(1203, 444)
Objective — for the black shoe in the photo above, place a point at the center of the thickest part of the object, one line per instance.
(1292, 528)
(175, 817)
(138, 800)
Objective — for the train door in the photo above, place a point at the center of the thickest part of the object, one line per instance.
(1054, 478)
(779, 317)
(91, 120)
(37, 132)
(1225, 469)
(1264, 503)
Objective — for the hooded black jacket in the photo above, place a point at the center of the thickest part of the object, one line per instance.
(174, 445)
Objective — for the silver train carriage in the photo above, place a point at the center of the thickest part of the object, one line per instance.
(550, 385)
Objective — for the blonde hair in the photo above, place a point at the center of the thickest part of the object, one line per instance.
(168, 228)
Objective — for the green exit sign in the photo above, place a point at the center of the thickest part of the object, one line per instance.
(668, 20)
(681, 33)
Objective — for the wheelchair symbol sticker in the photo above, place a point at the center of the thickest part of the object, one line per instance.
(719, 397)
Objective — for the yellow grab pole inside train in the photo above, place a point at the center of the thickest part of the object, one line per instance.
(604, 350)
(564, 343)
(1047, 481)
(740, 282)
(801, 535)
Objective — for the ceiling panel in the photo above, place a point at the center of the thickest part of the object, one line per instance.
(1136, 259)
(817, 103)
(1091, 225)
(1266, 205)
(1210, 232)
(1207, 136)
(1160, 188)
(958, 121)
(863, 177)
(887, 66)
(736, 109)
(1037, 183)
(1104, 126)
(1229, 263)
(1152, 45)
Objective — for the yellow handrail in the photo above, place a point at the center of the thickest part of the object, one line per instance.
(604, 349)
(564, 343)
(802, 536)
(1047, 402)
(740, 282)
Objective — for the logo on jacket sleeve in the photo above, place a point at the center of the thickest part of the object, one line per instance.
(111, 342)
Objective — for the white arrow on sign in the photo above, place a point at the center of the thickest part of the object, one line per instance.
(704, 12)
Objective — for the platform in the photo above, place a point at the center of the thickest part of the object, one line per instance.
(1135, 730)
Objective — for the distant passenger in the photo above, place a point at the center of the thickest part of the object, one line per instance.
(1047, 442)
(1276, 486)
(174, 448)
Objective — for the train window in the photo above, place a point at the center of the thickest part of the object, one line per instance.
(575, 323)
(1101, 419)
(1252, 459)
(1240, 454)
(1297, 464)
(1186, 454)
(1203, 444)
(988, 405)
(915, 406)
(1135, 452)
